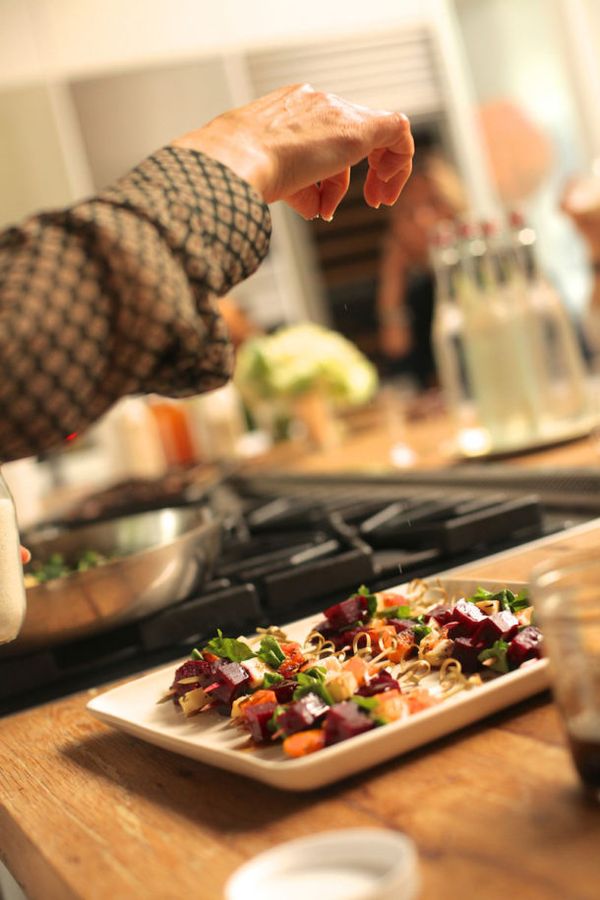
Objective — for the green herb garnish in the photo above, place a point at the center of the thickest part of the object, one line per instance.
(314, 672)
(507, 600)
(270, 652)
(311, 684)
(56, 566)
(521, 601)
(89, 560)
(366, 703)
(370, 598)
(229, 648)
(394, 612)
(272, 725)
(369, 705)
(420, 631)
(497, 652)
(272, 678)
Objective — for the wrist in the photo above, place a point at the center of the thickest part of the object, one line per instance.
(232, 150)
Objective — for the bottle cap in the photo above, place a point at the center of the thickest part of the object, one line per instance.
(348, 864)
(516, 219)
(489, 229)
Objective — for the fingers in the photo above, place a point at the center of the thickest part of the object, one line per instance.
(332, 192)
(377, 191)
(391, 137)
(321, 200)
(388, 163)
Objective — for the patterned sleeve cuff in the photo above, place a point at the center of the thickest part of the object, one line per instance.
(215, 223)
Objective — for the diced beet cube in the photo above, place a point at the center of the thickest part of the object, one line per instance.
(341, 639)
(284, 690)
(345, 720)
(401, 624)
(257, 718)
(231, 680)
(199, 669)
(302, 714)
(342, 615)
(453, 629)
(346, 638)
(468, 617)
(382, 682)
(324, 628)
(507, 622)
(526, 645)
(502, 625)
(466, 652)
(442, 614)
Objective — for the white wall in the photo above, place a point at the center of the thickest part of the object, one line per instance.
(78, 36)
(19, 57)
(98, 60)
(33, 173)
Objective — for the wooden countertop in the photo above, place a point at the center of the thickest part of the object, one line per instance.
(495, 810)
(368, 437)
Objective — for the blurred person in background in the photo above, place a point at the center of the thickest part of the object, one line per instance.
(581, 203)
(519, 157)
(115, 295)
(405, 293)
(239, 324)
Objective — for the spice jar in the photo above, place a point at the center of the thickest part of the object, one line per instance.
(12, 590)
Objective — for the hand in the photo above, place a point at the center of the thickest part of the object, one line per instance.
(239, 326)
(395, 340)
(297, 144)
(581, 202)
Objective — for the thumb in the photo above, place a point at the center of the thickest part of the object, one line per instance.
(307, 201)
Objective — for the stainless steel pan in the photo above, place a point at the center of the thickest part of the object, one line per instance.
(157, 558)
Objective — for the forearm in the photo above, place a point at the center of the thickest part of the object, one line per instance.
(392, 312)
(113, 296)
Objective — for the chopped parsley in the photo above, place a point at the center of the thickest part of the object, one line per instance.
(497, 652)
(507, 600)
(229, 648)
(270, 652)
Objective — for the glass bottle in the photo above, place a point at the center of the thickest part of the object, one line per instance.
(12, 590)
(564, 379)
(496, 345)
(447, 327)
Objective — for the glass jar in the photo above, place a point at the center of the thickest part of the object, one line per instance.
(12, 590)
(567, 604)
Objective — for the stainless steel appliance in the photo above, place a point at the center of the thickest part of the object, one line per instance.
(291, 545)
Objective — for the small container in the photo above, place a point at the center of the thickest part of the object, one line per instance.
(349, 864)
(135, 440)
(173, 427)
(216, 423)
(12, 590)
(566, 599)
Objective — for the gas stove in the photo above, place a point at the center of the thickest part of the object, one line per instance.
(293, 545)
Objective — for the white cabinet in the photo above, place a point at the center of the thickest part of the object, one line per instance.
(97, 124)
(125, 116)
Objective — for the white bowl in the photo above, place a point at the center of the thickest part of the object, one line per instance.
(349, 864)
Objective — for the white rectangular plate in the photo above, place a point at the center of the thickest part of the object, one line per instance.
(211, 739)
